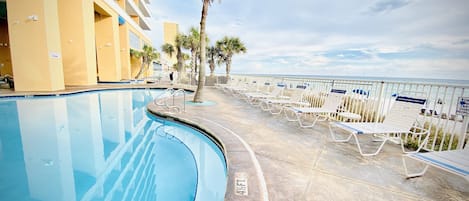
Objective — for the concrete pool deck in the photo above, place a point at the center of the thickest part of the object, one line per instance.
(304, 164)
(278, 160)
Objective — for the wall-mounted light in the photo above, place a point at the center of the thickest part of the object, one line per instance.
(33, 17)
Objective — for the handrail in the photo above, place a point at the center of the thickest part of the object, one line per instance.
(160, 100)
(178, 92)
(170, 94)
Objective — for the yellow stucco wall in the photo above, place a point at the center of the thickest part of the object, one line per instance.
(78, 42)
(107, 43)
(35, 45)
(136, 64)
(125, 51)
(170, 30)
(54, 43)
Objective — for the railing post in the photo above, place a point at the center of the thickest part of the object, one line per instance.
(380, 98)
(462, 135)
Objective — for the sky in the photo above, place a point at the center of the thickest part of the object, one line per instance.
(375, 38)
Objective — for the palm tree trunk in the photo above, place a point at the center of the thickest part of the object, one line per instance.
(200, 85)
(180, 65)
(142, 68)
(212, 69)
(228, 68)
(194, 62)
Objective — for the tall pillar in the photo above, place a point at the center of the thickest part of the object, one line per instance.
(78, 42)
(36, 54)
(107, 44)
(125, 51)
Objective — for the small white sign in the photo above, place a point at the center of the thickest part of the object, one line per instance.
(241, 184)
(463, 106)
(54, 55)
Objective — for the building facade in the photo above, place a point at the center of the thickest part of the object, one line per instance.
(170, 31)
(47, 45)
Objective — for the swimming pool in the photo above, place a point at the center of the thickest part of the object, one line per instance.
(103, 145)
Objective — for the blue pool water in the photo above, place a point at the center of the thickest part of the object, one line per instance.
(103, 146)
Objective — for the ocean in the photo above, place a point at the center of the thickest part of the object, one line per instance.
(366, 78)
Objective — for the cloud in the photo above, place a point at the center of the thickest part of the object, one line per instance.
(348, 54)
(383, 6)
(461, 42)
(400, 38)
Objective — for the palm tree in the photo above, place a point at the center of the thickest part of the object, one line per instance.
(180, 42)
(185, 57)
(212, 56)
(200, 85)
(168, 49)
(148, 54)
(230, 46)
(193, 45)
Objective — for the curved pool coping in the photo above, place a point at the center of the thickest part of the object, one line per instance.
(234, 144)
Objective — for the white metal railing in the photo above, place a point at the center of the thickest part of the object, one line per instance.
(373, 98)
(168, 100)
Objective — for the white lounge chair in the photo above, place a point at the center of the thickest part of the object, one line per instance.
(323, 113)
(230, 84)
(454, 161)
(399, 120)
(246, 87)
(276, 106)
(254, 98)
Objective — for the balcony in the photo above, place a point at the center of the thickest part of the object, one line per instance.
(135, 11)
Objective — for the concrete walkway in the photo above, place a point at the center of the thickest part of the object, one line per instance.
(280, 161)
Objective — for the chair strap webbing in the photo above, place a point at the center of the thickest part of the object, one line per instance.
(411, 100)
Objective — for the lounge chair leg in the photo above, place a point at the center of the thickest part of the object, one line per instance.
(273, 112)
(305, 126)
(288, 117)
(265, 106)
(412, 175)
(334, 137)
(368, 154)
